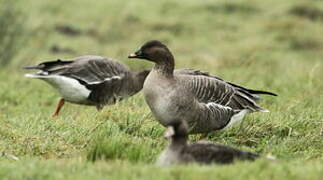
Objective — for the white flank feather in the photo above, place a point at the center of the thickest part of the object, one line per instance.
(237, 117)
(106, 79)
(70, 89)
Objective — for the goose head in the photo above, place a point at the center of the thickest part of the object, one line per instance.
(177, 129)
(154, 51)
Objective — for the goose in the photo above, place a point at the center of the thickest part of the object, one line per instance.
(89, 80)
(202, 152)
(206, 102)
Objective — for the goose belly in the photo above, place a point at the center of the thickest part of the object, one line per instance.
(162, 102)
(70, 89)
(161, 95)
(163, 110)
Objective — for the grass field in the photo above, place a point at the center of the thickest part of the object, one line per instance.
(270, 45)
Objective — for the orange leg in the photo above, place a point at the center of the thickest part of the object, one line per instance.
(59, 107)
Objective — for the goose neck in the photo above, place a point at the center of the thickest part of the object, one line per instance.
(165, 67)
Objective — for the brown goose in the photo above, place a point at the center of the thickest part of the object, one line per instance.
(90, 80)
(206, 102)
(180, 152)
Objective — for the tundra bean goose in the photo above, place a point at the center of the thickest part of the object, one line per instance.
(180, 152)
(206, 102)
(90, 80)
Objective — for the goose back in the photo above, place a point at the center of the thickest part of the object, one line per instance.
(207, 153)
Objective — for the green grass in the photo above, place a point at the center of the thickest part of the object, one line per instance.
(270, 45)
(11, 32)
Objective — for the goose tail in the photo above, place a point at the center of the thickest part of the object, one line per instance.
(261, 92)
(251, 91)
(32, 67)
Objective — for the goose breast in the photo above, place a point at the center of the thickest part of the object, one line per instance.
(163, 98)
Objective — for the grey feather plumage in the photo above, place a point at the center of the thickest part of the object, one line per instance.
(180, 151)
(107, 80)
(209, 88)
(205, 101)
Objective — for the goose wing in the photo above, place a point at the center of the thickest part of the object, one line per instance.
(211, 89)
(95, 70)
(88, 70)
(195, 72)
(104, 77)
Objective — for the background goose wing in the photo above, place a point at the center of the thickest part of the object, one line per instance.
(87, 69)
(95, 70)
(108, 91)
(104, 77)
(51, 66)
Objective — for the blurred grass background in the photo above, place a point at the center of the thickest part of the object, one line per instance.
(270, 45)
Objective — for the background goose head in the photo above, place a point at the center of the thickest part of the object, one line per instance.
(154, 51)
(177, 131)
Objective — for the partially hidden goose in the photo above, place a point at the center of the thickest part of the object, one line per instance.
(180, 152)
(90, 80)
(206, 102)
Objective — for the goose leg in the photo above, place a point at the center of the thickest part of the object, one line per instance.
(59, 107)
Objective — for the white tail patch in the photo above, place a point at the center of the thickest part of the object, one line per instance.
(70, 89)
(237, 117)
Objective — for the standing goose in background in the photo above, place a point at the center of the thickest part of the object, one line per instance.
(180, 152)
(90, 80)
(206, 102)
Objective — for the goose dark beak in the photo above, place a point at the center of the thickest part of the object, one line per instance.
(132, 55)
(137, 54)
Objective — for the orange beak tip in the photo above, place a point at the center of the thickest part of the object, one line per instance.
(132, 55)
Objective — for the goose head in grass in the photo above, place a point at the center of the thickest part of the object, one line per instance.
(177, 132)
